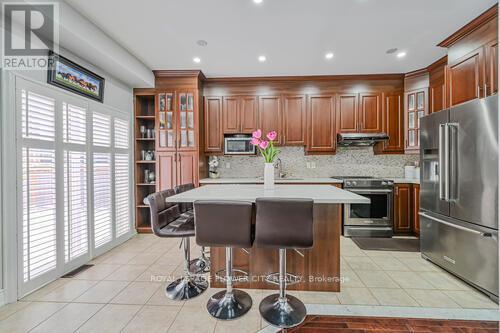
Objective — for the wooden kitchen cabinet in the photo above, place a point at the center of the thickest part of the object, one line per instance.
(294, 120)
(270, 116)
(213, 125)
(239, 114)
(392, 124)
(466, 77)
(370, 112)
(321, 124)
(359, 113)
(231, 115)
(176, 168)
(166, 170)
(415, 108)
(347, 113)
(415, 197)
(491, 87)
(402, 208)
(437, 92)
(248, 114)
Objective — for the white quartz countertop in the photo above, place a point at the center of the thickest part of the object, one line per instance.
(319, 193)
(277, 181)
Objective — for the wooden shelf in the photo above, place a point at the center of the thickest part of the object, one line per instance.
(145, 139)
(145, 117)
(146, 162)
(142, 206)
(146, 184)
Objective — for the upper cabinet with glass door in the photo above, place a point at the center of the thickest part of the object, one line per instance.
(415, 108)
(166, 122)
(186, 140)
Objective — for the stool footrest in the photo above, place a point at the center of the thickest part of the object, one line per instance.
(290, 279)
(238, 275)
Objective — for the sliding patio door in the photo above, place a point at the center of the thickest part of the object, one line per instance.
(74, 186)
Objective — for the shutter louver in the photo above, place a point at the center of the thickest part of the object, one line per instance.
(74, 124)
(101, 130)
(122, 194)
(38, 116)
(75, 205)
(102, 199)
(39, 212)
(121, 134)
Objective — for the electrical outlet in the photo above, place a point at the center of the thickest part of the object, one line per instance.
(313, 165)
(228, 165)
(308, 165)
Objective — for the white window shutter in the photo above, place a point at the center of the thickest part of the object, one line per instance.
(122, 194)
(75, 205)
(101, 130)
(38, 116)
(121, 134)
(39, 212)
(102, 199)
(74, 124)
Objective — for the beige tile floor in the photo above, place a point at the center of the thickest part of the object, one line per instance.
(124, 292)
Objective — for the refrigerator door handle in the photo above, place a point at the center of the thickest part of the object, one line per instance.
(452, 180)
(456, 226)
(441, 161)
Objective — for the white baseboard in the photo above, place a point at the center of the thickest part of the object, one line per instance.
(2, 297)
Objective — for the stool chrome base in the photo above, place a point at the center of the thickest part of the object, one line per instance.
(199, 265)
(186, 288)
(283, 313)
(227, 306)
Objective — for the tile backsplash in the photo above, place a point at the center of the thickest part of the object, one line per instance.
(346, 162)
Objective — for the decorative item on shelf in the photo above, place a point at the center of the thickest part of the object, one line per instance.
(269, 152)
(149, 133)
(143, 155)
(213, 164)
(146, 176)
(149, 155)
(152, 177)
(145, 200)
(142, 129)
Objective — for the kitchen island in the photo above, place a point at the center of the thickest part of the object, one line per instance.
(318, 267)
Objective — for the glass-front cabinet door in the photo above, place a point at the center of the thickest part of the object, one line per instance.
(186, 113)
(415, 108)
(166, 121)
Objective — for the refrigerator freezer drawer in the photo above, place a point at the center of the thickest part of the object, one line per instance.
(464, 249)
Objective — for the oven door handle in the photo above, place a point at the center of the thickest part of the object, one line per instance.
(370, 190)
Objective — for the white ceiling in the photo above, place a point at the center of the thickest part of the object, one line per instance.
(294, 35)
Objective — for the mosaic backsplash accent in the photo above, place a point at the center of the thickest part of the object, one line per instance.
(346, 162)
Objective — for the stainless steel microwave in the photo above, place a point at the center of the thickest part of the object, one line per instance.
(238, 145)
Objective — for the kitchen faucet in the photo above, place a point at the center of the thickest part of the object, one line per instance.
(279, 165)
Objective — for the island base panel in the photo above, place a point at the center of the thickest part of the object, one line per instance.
(319, 268)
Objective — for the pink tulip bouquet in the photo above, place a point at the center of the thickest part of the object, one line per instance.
(266, 147)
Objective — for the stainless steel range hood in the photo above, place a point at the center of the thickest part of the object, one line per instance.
(360, 139)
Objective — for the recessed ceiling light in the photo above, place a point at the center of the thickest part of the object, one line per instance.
(197, 60)
(257, 1)
(329, 55)
(401, 54)
(262, 58)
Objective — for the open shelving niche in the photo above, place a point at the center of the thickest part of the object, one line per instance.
(144, 116)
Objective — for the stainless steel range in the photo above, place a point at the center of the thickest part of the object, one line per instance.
(373, 219)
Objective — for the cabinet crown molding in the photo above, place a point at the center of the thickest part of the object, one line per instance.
(488, 15)
(178, 73)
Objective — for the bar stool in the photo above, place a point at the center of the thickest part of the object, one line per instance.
(225, 224)
(167, 221)
(201, 264)
(283, 224)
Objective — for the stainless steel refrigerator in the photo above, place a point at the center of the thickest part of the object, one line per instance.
(459, 192)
